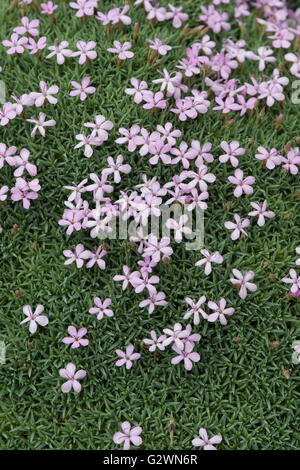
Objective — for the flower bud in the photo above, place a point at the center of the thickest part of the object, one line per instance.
(136, 32)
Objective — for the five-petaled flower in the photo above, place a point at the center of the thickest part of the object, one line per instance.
(243, 281)
(127, 357)
(35, 318)
(128, 435)
(76, 337)
(204, 442)
(72, 377)
(101, 308)
(122, 50)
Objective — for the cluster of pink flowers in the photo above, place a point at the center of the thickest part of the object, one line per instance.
(38, 99)
(98, 136)
(92, 205)
(24, 190)
(26, 37)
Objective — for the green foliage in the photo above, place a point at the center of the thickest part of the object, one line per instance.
(238, 388)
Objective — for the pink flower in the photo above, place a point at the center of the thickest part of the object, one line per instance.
(168, 135)
(15, 45)
(88, 142)
(169, 82)
(156, 11)
(77, 190)
(24, 100)
(138, 90)
(48, 8)
(205, 442)
(100, 186)
(177, 16)
(233, 150)
(205, 44)
(264, 55)
(195, 309)
(147, 141)
(244, 105)
(127, 357)
(201, 178)
(7, 113)
(29, 27)
(122, 50)
(128, 435)
(100, 127)
(116, 168)
(96, 257)
(242, 184)
(3, 191)
(130, 137)
(35, 46)
(72, 378)
(40, 123)
(183, 155)
(271, 93)
(72, 220)
(34, 318)
(154, 100)
(144, 282)
(126, 278)
(60, 51)
(270, 156)
(295, 59)
(179, 227)
(237, 227)
(158, 249)
(25, 191)
(200, 103)
(45, 95)
(176, 335)
(22, 163)
(294, 280)
(82, 89)
(155, 342)
(215, 257)
(155, 299)
(101, 308)
(186, 354)
(292, 161)
(147, 264)
(242, 280)
(5, 153)
(220, 311)
(261, 212)
(159, 150)
(78, 256)
(298, 253)
(84, 7)
(85, 51)
(158, 45)
(76, 337)
(227, 105)
(194, 199)
(185, 109)
(191, 338)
